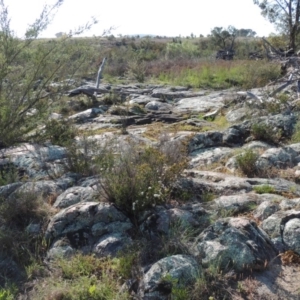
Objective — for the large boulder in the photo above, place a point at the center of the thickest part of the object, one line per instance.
(34, 161)
(266, 209)
(40, 188)
(236, 243)
(205, 140)
(111, 244)
(160, 220)
(284, 124)
(284, 229)
(234, 204)
(278, 157)
(176, 269)
(75, 195)
(157, 105)
(90, 226)
(92, 216)
(199, 183)
(87, 114)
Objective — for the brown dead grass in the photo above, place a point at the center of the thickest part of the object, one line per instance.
(290, 257)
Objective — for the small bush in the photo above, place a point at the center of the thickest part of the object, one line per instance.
(247, 163)
(127, 261)
(9, 174)
(8, 292)
(86, 156)
(81, 288)
(112, 98)
(264, 189)
(140, 178)
(137, 70)
(211, 284)
(296, 135)
(177, 240)
(265, 132)
(59, 132)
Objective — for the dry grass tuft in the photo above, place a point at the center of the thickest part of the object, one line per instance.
(290, 257)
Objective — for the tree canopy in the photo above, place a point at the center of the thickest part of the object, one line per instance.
(284, 14)
(223, 37)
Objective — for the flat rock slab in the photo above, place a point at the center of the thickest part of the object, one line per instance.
(34, 160)
(236, 203)
(75, 195)
(200, 182)
(141, 99)
(202, 104)
(170, 93)
(205, 157)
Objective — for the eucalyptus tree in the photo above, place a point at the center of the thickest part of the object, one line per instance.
(284, 14)
(224, 37)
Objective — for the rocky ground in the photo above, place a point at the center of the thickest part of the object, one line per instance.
(246, 221)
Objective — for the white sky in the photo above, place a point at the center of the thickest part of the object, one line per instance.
(157, 17)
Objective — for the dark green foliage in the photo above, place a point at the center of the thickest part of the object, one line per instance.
(59, 132)
(9, 174)
(265, 132)
(247, 163)
(33, 74)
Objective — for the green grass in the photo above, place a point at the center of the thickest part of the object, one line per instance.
(82, 277)
(223, 74)
(264, 189)
(296, 135)
(8, 292)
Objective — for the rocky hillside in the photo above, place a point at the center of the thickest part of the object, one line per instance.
(204, 202)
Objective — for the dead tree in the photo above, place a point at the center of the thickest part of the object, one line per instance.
(88, 90)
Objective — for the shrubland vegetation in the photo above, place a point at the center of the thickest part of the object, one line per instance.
(35, 73)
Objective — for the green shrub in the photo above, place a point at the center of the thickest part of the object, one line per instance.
(33, 74)
(296, 134)
(264, 189)
(22, 210)
(9, 174)
(127, 260)
(8, 292)
(81, 265)
(137, 70)
(247, 163)
(177, 240)
(59, 132)
(140, 178)
(265, 132)
(112, 98)
(86, 156)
